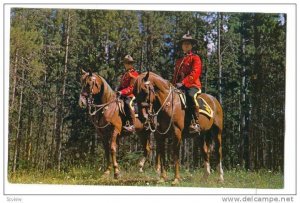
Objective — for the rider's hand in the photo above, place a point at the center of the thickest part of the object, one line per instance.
(118, 93)
(179, 85)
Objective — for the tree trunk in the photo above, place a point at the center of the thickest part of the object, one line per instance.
(244, 108)
(52, 150)
(59, 127)
(38, 139)
(18, 133)
(220, 17)
(28, 143)
(257, 89)
(14, 79)
(107, 50)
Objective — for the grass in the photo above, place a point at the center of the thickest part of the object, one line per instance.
(81, 176)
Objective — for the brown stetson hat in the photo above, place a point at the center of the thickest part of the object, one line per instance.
(128, 59)
(188, 37)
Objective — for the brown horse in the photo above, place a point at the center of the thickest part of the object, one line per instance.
(166, 116)
(107, 115)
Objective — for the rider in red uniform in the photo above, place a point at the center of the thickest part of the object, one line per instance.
(125, 90)
(187, 75)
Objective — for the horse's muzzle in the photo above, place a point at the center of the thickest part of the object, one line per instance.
(82, 101)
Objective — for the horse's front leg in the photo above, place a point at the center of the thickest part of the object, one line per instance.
(162, 158)
(113, 149)
(176, 151)
(105, 142)
(157, 162)
(147, 149)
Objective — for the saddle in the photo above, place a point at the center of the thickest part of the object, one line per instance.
(182, 98)
(134, 107)
(204, 108)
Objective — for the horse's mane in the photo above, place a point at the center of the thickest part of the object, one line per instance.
(106, 91)
(157, 80)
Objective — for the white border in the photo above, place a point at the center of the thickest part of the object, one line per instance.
(290, 181)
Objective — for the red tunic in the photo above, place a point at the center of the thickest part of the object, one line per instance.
(127, 81)
(188, 71)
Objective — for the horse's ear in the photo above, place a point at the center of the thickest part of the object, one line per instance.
(146, 76)
(90, 72)
(83, 72)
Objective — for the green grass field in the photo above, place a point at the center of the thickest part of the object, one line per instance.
(82, 176)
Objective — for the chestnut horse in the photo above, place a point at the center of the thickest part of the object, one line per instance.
(106, 113)
(166, 117)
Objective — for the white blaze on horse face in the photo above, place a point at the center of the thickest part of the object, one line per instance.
(82, 101)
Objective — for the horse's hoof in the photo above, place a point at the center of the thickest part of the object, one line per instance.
(175, 182)
(106, 173)
(221, 180)
(161, 180)
(204, 179)
(142, 162)
(117, 176)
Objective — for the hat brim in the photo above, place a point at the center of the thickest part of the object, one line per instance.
(193, 41)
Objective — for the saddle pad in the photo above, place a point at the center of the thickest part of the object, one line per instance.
(204, 108)
(134, 107)
(182, 97)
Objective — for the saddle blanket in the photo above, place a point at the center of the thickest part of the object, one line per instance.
(204, 108)
(134, 107)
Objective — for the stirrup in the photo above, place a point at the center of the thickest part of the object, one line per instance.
(129, 128)
(127, 124)
(194, 127)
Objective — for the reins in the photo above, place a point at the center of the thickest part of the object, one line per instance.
(97, 109)
(155, 114)
(99, 106)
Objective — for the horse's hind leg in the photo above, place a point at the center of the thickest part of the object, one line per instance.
(113, 148)
(176, 150)
(218, 145)
(205, 149)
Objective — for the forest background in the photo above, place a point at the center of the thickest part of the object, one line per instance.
(243, 55)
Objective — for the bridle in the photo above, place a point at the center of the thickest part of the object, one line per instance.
(152, 115)
(93, 109)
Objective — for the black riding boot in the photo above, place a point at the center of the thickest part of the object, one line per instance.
(195, 126)
(130, 127)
